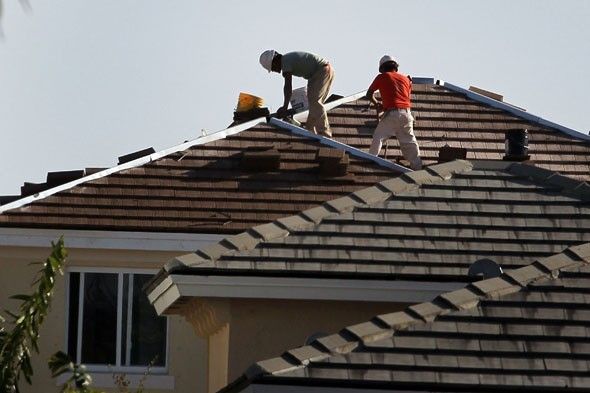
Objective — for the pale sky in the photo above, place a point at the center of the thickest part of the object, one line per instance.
(83, 82)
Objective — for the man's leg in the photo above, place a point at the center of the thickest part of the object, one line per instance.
(407, 140)
(385, 129)
(318, 88)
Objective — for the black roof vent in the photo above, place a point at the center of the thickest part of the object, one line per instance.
(517, 145)
(136, 155)
(58, 178)
(485, 267)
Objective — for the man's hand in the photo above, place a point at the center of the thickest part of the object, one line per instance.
(282, 112)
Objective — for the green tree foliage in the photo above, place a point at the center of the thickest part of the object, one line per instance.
(16, 345)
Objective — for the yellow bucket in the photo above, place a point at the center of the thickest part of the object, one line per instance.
(247, 102)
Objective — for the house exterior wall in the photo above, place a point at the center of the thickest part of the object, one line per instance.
(187, 353)
(263, 329)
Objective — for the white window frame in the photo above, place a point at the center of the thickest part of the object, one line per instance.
(111, 368)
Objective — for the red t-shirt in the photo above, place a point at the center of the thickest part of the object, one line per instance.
(395, 90)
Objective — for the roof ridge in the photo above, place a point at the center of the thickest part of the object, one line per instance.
(384, 326)
(249, 239)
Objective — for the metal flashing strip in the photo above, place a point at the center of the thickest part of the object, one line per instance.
(338, 145)
(135, 163)
(514, 110)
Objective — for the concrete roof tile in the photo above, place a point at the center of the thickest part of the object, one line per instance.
(188, 260)
(275, 365)
(461, 299)
(582, 251)
(495, 287)
(316, 214)
(427, 311)
(295, 223)
(343, 204)
(368, 332)
(398, 185)
(243, 241)
(214, 251)
(397, 320)
(270, 231)
(526, 274)
(447, 169)
(421, 177)
(337, 343)
(371, 195)
(307, 354)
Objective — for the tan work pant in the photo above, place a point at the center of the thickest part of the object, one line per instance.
(318, 87)
(399, 123)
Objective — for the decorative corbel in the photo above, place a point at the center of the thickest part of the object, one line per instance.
(206, 316)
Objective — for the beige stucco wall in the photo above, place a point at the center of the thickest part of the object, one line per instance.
(263, 329)
(187, 357)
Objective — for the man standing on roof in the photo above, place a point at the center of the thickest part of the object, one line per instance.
(395, 90)
(319, 74)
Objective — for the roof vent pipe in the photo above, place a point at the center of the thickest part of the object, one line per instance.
(485, 267)
(516, 145)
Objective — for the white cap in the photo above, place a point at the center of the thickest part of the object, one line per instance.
(266, 59)
(386, 59)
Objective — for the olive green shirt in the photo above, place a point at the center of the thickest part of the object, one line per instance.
(302, 64)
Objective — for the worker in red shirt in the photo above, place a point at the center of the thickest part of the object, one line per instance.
(395, 90)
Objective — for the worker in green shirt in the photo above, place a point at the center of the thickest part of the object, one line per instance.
(319, 74)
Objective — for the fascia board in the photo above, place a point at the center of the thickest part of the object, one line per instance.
(108, 240)
(133, 164)
(338, 145)
(296, 289)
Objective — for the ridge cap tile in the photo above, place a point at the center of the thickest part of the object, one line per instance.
(461, 299)
(270, 231)
(421, 177)
(527, 274)
(446, 170)
(582, 251)
(397, 320)
(496, 287)
(317, 214)
(491, 165)
(555, 263)
(343, 204)
(336, 343)
(243, 241)
(295, 222)
(307, 353)
(215, 250)
(368, 332)
(371, 195)
(187, 260)
(397, 185)
(275, 366)
(428, 311)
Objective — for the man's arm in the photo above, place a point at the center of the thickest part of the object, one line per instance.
(287, 91)
(371, 97)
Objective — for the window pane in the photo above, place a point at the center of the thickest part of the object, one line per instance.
(148, 334)
(74, 297)
(99, 331)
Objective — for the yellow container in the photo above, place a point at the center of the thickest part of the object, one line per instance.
(247, 102)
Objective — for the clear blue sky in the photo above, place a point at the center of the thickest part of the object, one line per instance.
(82, 82)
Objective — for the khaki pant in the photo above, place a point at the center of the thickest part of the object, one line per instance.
(318, 87)
(399, 123)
